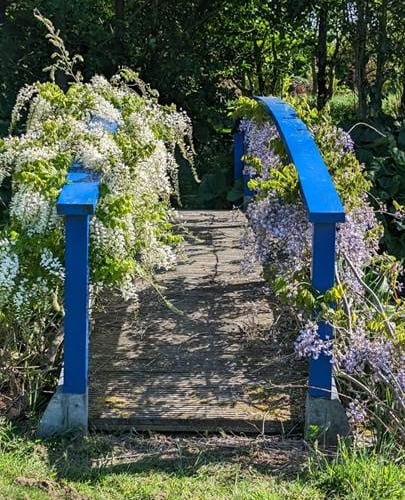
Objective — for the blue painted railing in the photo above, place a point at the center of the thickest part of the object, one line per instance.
(324, 210)
(238, 152)
(77, 203)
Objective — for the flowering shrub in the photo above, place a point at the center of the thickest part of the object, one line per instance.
(368, 315)
(131, 233)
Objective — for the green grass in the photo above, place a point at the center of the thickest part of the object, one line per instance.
(360, 474)
(161, 467)
(26, 473)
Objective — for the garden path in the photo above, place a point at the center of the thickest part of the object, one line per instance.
(224, 362)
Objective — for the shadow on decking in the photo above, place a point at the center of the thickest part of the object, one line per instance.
(225, 363)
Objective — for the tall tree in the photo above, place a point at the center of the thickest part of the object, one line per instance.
(381, 50)
(361, 15)
(3, 6)
(322, 55)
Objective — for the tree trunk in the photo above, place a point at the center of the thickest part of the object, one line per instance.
(257, 54)
(275, 69)
(332, 67)
(119, 9)
(321, 56)
(314, 76)
(3, 6)
(402, 103)
(382, 49)
(361, 58)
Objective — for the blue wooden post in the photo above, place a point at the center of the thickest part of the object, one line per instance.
(238, 152)
(237, 155)
(323, 278)
(76, 324)
(77, 202)
(324, 210)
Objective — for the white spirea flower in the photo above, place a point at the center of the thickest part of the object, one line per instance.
(28, 297)
(100, 152)
(33, 212)
(152, 176)
(19, 152)
(41, 110)
(129, 291)
(118, 179)
(111, 240)
(9, 266)
(52, 264)
(24, 95)
(141, 129)
(100, 83)
(106, 110)
(91, 157)
(156, 254)
(138, 175)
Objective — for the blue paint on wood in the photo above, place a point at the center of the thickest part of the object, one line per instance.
(237, 155)
(238, 152)
(323, 256)
(98, 122)
(76, 322)
(323, 278)
(318, 191)
(82, 175)
(248, 193)
(78, 198)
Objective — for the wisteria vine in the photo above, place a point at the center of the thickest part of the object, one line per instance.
(368, 317)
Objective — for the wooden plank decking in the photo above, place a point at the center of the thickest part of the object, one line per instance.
(225, 363)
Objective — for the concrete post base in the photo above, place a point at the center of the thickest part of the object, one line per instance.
(65, 412)
(325, 420)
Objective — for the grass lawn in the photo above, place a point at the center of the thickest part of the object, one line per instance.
(161, 467)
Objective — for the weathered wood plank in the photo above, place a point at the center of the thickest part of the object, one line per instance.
(225, 362)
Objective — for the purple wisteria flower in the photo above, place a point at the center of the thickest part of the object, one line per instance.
(356, 412)
(400, 378)
(364, 354)
(341, 140)
(279, 238)
(309, 344)
(257, 143)
(282, 234)
(353, 245)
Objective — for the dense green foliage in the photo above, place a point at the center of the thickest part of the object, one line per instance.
(202, 55)
(383, 152)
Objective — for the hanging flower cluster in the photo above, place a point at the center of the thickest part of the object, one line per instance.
(132, 231)
(368, 316)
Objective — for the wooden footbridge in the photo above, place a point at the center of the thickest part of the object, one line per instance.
(216, 355)
(223, 360)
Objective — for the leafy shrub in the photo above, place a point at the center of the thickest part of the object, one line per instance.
(384, 158)
(342, 107)
(131, 233)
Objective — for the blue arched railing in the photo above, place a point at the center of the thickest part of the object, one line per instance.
(324, 210)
